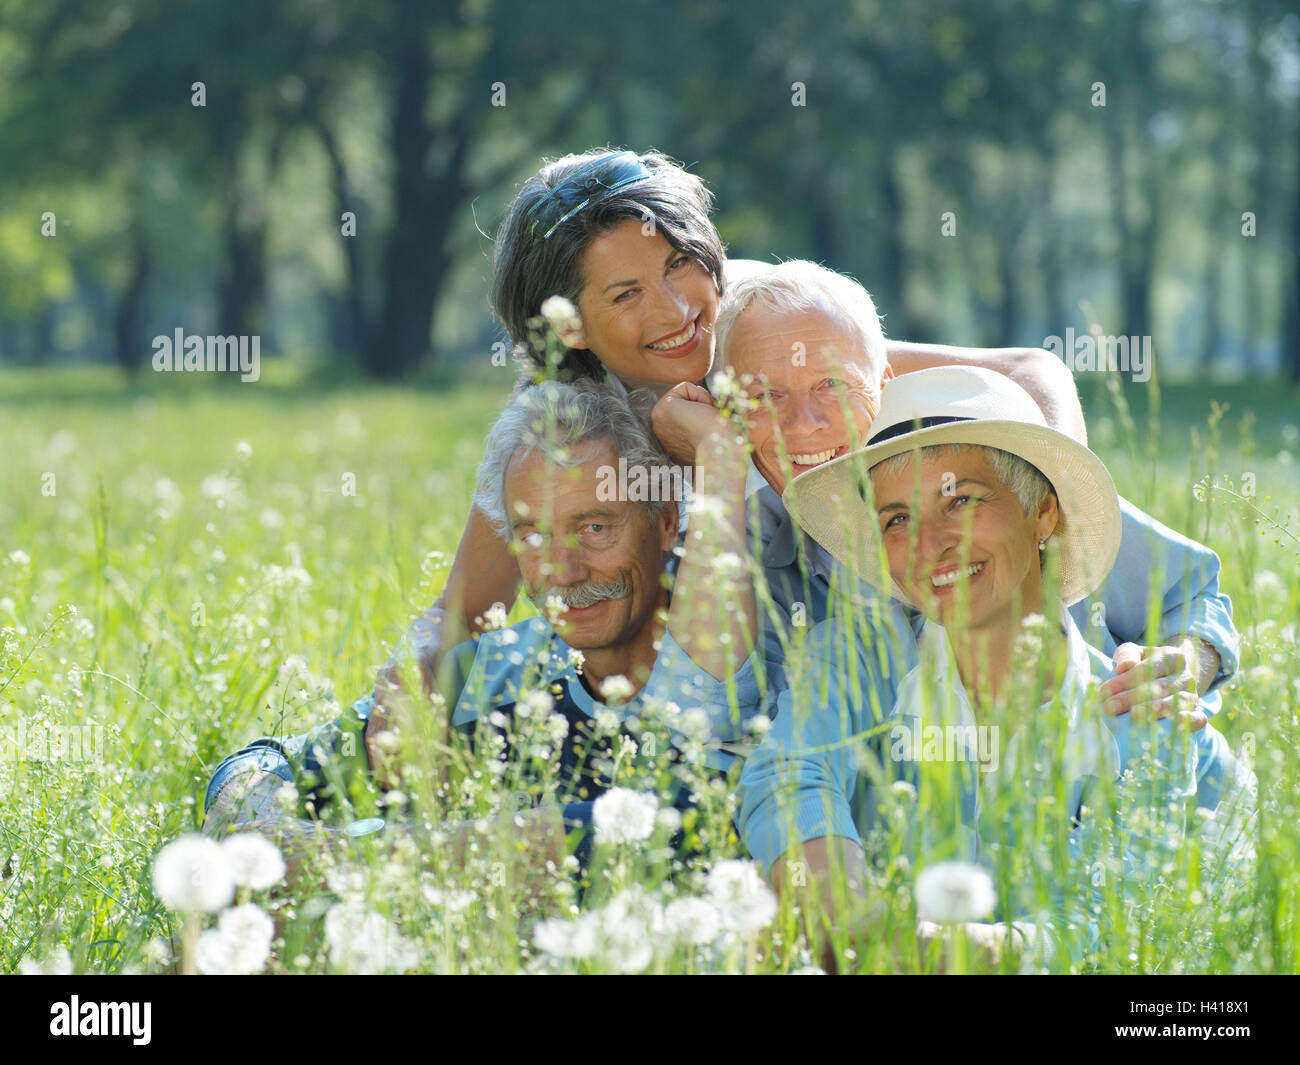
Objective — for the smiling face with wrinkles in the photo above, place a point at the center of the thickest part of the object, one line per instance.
(954, 532)
(814, 397)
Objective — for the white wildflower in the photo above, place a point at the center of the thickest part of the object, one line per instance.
(193, 873)
(954, 893)
(561, 314)
(669, 819)
(362, 941)
(557, 727)
(616, 689)
(221, 489)
(728, 565)
(255, 861)
(451, 901)
(606, 721)
(240, 945)
(535, 704)
(904, 790)
(244, 450)
(745, 903)
(57, 963)
(567, 939)
(624, 816)
(693, 921)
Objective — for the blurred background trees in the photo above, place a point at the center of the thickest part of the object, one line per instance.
(328, 174)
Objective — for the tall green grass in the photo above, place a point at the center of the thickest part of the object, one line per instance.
(184, 568)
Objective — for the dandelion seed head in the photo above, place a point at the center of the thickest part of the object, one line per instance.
(954, 893)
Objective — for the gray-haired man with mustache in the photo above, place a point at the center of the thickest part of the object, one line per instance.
(595, 567)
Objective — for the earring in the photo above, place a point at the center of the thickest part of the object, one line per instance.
(1042, 545)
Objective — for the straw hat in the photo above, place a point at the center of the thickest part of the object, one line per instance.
(962, 405)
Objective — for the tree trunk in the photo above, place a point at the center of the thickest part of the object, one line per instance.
(355, 328)
(410, 277)
(241, 290)
(1291, 297)
(892, 281)
(130, 347)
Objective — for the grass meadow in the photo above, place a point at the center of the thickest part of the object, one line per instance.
(185, 566)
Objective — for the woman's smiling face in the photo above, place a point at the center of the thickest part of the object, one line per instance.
(988, 575)
(647, 309)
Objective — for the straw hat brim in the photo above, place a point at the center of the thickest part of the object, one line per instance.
(831, 502)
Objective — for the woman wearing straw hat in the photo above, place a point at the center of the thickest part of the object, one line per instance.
(967, 505)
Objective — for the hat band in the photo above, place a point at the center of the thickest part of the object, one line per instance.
(902, 428)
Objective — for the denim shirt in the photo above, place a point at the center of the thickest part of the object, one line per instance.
(492, 672)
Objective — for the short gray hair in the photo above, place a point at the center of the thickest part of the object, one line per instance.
(1020, 477)
(800, 285)
(554, 417)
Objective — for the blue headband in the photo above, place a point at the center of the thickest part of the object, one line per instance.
(575, 192)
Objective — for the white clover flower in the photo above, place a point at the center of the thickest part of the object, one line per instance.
(744, 902)
(193, 874)
(694, 921)
(239, 946)
(362, 941)
(954, 893)
(57, 963)
(255, 861)
(561, 314)
(495, 617)
(616, 689)
(624, 816)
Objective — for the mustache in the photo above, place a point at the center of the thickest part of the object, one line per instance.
(590, 593)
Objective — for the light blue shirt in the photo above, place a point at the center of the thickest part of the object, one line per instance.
(837, 745)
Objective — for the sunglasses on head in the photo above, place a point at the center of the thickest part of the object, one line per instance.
(576, 191)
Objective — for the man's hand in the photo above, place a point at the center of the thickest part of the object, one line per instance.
(684, 418)
(1160, 682)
